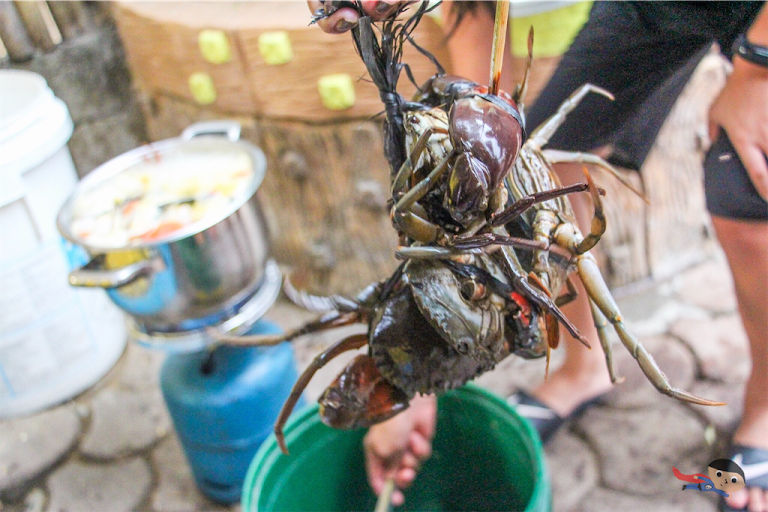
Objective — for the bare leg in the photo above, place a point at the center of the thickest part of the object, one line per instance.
(584, 374)
(746, 247)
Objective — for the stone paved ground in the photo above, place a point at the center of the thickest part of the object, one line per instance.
(113, 449)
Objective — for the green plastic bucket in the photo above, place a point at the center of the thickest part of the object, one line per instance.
(485, 457)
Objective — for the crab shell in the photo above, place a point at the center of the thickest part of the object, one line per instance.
(429, 338)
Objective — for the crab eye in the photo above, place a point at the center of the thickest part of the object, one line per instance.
(719, 473)
(471, 290)
(734, 479)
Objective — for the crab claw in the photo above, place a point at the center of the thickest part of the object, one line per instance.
(360, 397)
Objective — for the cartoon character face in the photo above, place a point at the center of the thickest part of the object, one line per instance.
(725, 480)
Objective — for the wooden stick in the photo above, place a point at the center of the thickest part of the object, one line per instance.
(40, 24)
(17, 42)
(499, 40)
(384, 503)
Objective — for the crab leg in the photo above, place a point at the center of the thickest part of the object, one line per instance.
(524, 203)
(486, 239)
(598, 226)
(599, 293)
(411, 224)
(556, 156)
(330, 321)
(400, 183)
(350, 343)
(601, 324)
(541, 135)
(518, 277)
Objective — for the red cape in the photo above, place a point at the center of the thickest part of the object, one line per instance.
(695, 478)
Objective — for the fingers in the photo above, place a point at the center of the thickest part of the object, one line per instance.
(344, 19)
(382, 9)
(420, 446)
(338, 22)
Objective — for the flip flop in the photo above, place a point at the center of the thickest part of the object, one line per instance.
(754, 462)
(545, 420)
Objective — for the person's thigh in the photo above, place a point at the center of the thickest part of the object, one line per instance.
(643, 68)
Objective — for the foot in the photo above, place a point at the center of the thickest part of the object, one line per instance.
(753, 497)
(565, 390)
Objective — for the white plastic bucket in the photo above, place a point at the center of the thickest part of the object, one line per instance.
(55, 341)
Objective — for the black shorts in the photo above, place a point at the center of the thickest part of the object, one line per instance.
(644, 53)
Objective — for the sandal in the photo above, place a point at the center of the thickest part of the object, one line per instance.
(754, 462)
(545, 420)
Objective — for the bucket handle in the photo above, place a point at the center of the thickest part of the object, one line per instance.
(94, 275)
(229, 128)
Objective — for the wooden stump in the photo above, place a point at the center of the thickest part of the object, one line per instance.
(326, 202)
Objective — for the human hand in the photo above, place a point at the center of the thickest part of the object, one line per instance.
(346, 18)
(741, 110)
(397, 447)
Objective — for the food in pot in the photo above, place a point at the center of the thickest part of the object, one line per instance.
(157, 197)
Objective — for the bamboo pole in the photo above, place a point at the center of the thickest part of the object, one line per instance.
(14, 34)
(35, 23)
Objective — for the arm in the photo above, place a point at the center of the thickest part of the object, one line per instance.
(741, 109)
(470, 45)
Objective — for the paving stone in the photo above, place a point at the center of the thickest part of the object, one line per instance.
(659, 322)
(35, 501)
(604, 500)
(674, 359)
(124, 423)
(176, 490)
(708, 286)
(725, 418)
(720, 345)
(140, 368)
(637, 448)
(32, 445)
(572, 468)
(645, 304)
(116, 487)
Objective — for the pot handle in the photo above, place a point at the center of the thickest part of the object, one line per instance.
(229, 128)
(93, 275)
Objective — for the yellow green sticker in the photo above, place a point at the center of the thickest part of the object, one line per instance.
(214, 46)
(202, 88)
(275, 47)
(337, 92)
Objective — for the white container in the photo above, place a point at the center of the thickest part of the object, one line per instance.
(55, 341)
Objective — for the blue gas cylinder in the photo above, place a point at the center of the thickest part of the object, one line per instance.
(224, 404)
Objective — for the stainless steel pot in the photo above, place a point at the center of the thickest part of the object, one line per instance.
(198, 276)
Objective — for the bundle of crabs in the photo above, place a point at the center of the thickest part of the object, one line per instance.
(488, 242)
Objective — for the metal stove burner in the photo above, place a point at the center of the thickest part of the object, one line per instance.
(237, 321)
